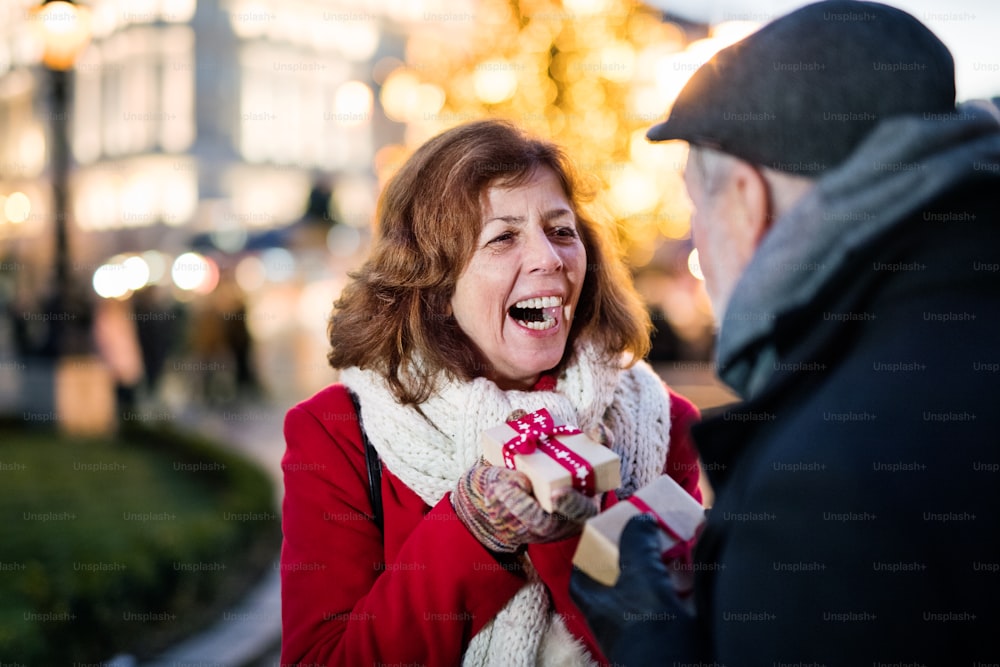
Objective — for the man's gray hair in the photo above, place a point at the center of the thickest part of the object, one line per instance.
(714, 168)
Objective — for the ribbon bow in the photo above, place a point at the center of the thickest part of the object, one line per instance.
(538, 431)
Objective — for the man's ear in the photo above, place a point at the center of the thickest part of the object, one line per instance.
(754, 195)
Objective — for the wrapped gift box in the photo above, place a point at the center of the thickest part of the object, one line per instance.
(678, 513)
(553, 455)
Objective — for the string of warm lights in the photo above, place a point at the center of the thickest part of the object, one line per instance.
(593, 75)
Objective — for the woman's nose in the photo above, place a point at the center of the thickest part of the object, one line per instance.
(542, 253)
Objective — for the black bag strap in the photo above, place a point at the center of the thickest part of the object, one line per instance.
(374, 465)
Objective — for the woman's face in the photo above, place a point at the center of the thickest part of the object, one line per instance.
(516, 297)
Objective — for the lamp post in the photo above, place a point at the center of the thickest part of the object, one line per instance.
(83, 391)
(64, 28)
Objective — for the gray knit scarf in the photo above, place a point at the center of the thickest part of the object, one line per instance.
(430, 449)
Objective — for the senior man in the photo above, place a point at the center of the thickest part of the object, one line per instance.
(847, 217)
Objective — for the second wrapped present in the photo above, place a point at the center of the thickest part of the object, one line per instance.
(678, 514)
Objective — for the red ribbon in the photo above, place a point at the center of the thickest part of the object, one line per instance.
(680, 552)
(536, 431)
(644, 507)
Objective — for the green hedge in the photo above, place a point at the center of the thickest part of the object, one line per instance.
(124, 545)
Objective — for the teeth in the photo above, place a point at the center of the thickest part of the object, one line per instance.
(547, 323)
(540, 302)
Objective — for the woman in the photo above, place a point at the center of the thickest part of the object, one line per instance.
(487, 292)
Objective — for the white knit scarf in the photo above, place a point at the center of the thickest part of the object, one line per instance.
(430, 449)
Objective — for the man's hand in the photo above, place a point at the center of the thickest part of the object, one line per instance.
(640, 620)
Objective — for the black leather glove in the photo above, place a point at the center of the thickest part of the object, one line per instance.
(640, 620)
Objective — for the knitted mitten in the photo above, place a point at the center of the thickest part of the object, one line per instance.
(497, 507)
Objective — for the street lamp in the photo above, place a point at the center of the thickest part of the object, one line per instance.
(82, 392)
(65, 32)
(64, 28)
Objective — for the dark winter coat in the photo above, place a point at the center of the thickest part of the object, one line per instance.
(857, 515)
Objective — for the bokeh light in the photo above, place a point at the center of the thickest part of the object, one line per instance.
(495, 81)
(343, 240)
(230, 237)
(64, 29)
(400, 94)
(694, 265)
(279, 264)
(157, 263)
(352, 104)
(17, 207)
(110, 281)
(195, 273)
(136, 272)
(250, 273)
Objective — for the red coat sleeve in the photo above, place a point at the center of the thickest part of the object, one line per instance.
(682, 457)
(342, 602)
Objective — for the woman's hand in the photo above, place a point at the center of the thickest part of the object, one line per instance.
(497, 507)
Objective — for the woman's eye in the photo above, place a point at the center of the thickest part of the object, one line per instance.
(502, 238)
(565, 232)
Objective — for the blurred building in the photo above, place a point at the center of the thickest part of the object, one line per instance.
(194, 116)
(204, 133)
(194, 119)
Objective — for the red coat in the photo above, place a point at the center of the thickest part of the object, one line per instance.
(417, 595)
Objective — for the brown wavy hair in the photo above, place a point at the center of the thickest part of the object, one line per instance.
(396, 309)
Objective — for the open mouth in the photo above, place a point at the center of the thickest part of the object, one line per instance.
(538, 313)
